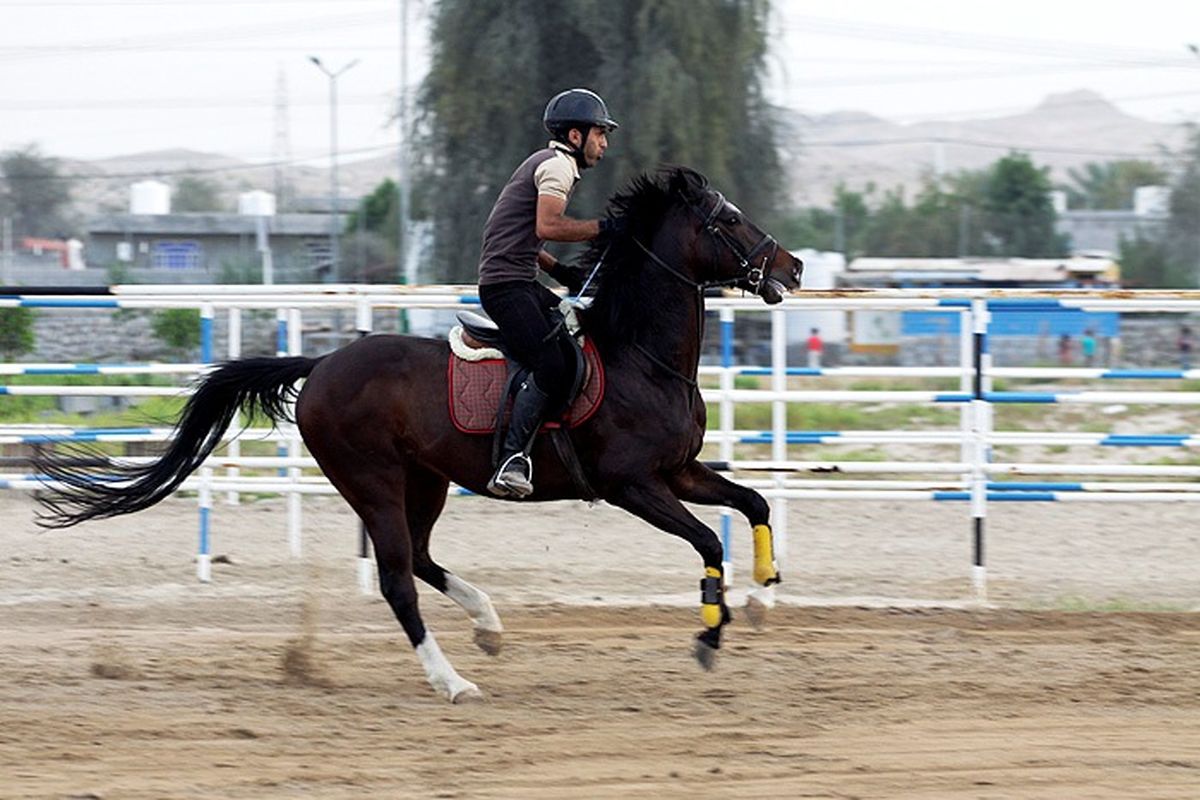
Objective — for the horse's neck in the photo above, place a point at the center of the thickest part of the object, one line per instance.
(673, 337)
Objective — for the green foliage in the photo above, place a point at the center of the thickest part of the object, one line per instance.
(178, 328)
(118, 273)
(1183, 225)
(194, 194)
(1110, 185)
(1004, 211)
(1146, 264)
(34, 194)
(1019, 216)
(683, 78)
(16, 332)
(245, 270)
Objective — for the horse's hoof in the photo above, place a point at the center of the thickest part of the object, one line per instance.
(468, 694)
(706, 655)
(756, 612)
(489, 642)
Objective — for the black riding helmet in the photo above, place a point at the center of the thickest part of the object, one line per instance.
(576, 108)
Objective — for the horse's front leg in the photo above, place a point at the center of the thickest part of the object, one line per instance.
(653, 501)
(696, 483)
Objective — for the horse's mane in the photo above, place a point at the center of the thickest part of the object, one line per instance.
(621, 308)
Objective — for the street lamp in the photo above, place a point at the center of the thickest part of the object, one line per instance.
(334, 255)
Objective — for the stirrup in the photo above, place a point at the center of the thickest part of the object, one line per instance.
(514, 478)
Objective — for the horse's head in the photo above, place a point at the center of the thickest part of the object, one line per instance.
(728, 249)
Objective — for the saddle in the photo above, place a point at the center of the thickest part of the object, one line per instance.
(482, 379)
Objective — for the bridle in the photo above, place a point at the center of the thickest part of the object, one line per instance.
(753, 272)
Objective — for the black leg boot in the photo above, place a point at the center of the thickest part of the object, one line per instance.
(514, 478)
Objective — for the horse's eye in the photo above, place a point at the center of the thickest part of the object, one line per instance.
(733, 219)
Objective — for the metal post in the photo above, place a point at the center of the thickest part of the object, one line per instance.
(6, 251)
(334, 254)
(981, 429)
(204, 556)
(366, 569)
(726, 446)
(294, 330)
(234, 352)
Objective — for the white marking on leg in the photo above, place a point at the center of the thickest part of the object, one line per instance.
(475, 602)
(442, 676)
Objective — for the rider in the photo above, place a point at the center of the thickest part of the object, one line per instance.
(530, 210)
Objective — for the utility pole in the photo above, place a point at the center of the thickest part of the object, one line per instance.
(403, 187)
(334, 255)
(6, 251)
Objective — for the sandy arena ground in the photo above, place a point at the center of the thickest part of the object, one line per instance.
(122, 678)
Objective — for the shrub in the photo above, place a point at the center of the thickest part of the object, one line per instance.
(16, 332)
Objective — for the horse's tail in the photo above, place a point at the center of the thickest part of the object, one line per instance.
(266, 385)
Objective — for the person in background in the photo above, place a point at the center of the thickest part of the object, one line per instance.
(1064, 350)
(1088, 348)
(815, 347)
(1185, 347)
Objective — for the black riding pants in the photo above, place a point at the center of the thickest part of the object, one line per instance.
(522, 310)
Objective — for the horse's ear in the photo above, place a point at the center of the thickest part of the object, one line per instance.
(685, 183)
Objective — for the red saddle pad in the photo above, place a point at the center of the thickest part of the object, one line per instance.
(476, 386)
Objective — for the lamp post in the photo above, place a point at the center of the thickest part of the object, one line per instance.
(334, 254)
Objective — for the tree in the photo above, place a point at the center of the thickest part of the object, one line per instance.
(194, 194)
(1018, 214)
(35, 194)
(16, 332)
(1183, 223)
(1110, 185)
(684, 77)
(177, 328)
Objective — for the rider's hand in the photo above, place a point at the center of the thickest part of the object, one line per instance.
(571, 276)
(613, 226)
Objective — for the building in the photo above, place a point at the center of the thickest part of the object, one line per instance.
(209, 247)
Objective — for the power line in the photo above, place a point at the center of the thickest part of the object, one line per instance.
(180, 39)
(936, 37)
(160, 173)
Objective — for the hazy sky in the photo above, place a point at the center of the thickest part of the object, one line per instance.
(95, 78)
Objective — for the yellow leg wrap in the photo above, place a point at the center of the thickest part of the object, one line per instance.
(710, 613)
(766, 571)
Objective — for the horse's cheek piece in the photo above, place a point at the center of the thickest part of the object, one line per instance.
(710, 597)
(766, 571)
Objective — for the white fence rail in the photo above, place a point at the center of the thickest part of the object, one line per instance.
(970, 477)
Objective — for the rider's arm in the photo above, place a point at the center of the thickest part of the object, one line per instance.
(554, 225)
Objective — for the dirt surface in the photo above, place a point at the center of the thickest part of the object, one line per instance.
(878, 677)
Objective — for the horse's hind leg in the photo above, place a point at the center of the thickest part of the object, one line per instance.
(425, 496)
(378, 494)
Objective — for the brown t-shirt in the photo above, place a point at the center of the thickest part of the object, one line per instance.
(510, 241)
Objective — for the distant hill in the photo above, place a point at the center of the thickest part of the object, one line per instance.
(1063, 131)
(819, 152)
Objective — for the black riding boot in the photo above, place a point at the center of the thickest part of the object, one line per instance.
(514, 478)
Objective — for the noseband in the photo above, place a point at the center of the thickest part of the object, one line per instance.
(751, 272)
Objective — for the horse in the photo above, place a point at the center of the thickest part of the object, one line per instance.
(374, 416)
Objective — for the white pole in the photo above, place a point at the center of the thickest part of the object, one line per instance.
(980, 317)
(204, 557)
(234, 449)
(726, 445)
(779, 427)
(366, 568)
(294, 445)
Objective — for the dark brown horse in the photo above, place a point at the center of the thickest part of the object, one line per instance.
(374, 415)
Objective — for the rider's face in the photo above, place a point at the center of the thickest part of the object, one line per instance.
(595, 145)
